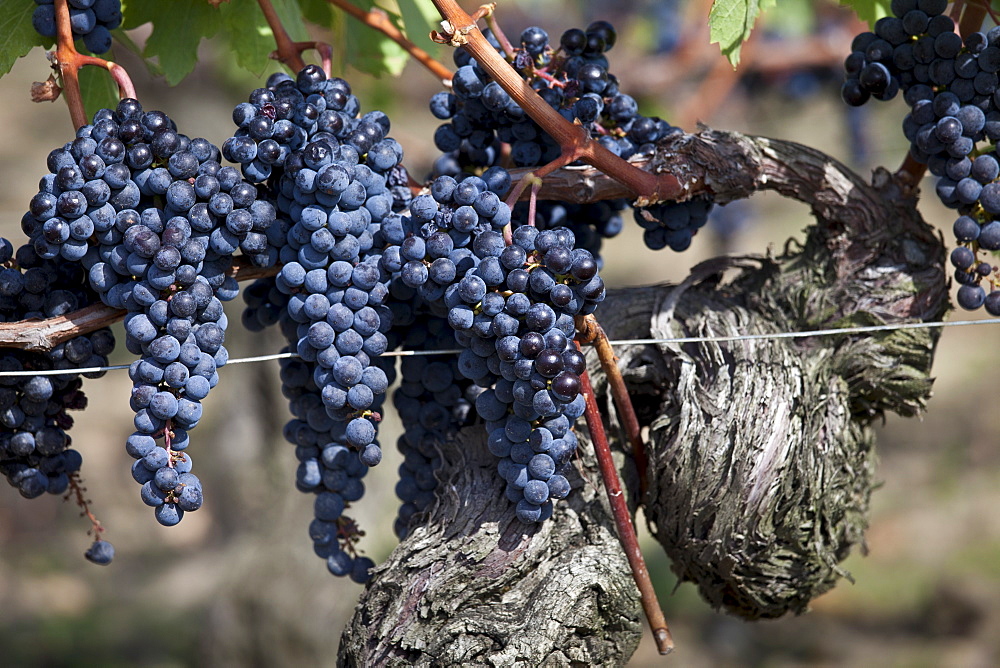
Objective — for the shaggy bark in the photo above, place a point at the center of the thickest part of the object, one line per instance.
(760, 456)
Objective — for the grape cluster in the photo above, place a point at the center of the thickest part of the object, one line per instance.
(514, 315)
(337, 185)
(35, 447)
(573, 78)
(91, 20)
(673, 224)
(952, 87)
(155, 220)
(147, 220)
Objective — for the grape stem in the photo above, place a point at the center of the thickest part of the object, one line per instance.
(324, 50)
(973, 15)
(498, 33)
(460, 30)
(623, 522)
(69, 62)
(167, 438)
(377, 19)
(956, 10)
(989, 10)
(912, 170)
(589, 330)
(288, 52)
(76, 490)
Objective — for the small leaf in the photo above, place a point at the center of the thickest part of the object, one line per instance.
(419, 19)
(17, 35)
(372, 52)
(730, 23)
(869, 10)
(319, 12)
(178, 28)
(247, 35)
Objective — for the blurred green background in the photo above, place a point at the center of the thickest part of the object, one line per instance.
(236, 583)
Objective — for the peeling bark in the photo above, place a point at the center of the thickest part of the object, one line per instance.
(472, 585)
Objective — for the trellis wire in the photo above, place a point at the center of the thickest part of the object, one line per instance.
(865, 329)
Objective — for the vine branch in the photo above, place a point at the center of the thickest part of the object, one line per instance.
(49, 333)
(733, 165)
(589, 331)
(288, 52)
(623, 521)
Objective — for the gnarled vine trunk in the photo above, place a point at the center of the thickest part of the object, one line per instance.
(761, 455)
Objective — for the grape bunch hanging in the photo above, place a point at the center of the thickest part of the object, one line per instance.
(951, 87)
(143, 218)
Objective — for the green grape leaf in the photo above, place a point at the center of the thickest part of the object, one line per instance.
(250, 38)
(247, 35)
(869, 10)
(17, 35)
(730, 23)
(372, 52)
(98, 89)
(419, 18)
(178, 28)
(319, 12)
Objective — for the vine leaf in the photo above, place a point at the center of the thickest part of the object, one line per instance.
(371, 51)
(319, 12)
(250, 38)
(869, 10)
(17, 35)
(178, 28)
(730, 23)
(99, 90)
(420, 18)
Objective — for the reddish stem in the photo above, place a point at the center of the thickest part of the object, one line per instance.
(66, 55)
(70, 61)
(973, 15)
(989, 10)
(533, 202)
(956, 10)
(535, 176)
(590, 331)
(912, 170)
(623, 522)
(167, 441)
(501, 37)
(324, 50)
(76, 490)
(379, 20)
(534, 179)
(287, 53)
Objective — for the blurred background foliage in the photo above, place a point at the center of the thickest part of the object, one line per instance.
(236, 583)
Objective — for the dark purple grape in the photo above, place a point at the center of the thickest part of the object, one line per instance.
(549, 363)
